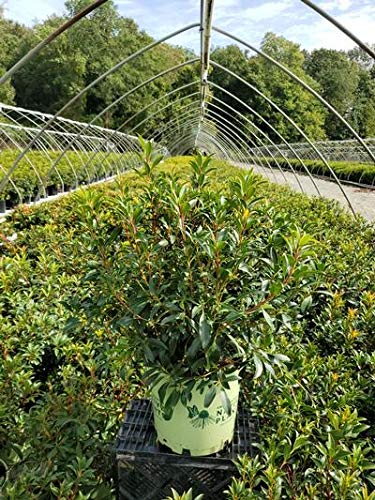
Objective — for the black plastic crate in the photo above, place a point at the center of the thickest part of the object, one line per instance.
(147, 470)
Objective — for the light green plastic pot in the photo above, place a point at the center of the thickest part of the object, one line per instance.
(199, 430)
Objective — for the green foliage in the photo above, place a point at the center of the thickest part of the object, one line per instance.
(345, 170)
(299, 104)
(338, 78)
(33, 175)
(296, 102)
(188, 495)
(63, 386)
(192, 277)
(83, 54)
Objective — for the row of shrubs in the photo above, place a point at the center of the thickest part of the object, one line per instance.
(64, 386)
(32, 178)
(363, 173)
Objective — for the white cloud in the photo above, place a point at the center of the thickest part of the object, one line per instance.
(29, 11)
(265, 11)
(321, 33)
(249, 20)
(336, 5)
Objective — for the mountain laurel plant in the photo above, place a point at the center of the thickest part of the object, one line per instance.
(190, 275)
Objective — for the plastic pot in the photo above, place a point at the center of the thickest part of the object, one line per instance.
(194, 428)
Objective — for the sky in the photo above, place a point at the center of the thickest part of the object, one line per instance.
(247, 19)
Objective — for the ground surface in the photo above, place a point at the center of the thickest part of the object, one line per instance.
(362, 200)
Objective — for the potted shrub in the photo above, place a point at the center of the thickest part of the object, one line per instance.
(192, 274)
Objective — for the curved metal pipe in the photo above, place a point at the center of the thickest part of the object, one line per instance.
(220, 122)
(91, 158)
(168, 94)
(92, 84)
(252, 124)
(117, 101)
(33, 52)
(221, 144)
(266, 122)
(292, 122)
(304, 85)
(196, 120)
(342, 28)
(241, 131)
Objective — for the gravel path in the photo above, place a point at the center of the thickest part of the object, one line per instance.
(362, 200)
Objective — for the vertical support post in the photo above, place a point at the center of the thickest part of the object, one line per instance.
(207, 8)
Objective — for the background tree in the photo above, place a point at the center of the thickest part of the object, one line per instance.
(299, 104)
(11, 36)
(338, 77)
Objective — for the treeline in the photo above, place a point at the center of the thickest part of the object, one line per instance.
(345, 79)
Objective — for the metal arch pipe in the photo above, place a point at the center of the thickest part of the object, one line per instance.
(228, 148)
(208, 142)
(249, 130)
(95, 151)
(289, 146)
(187, 116)
(185, 144)
(175, 125)
(178, 118)
(252, 124)
(342, 28)
(28, 161)
(117, 101)
(11, 181)
(229, 144)
(13, 185)
(264, 146)
(229, 139)
(172, 103)
(206, 14)
(244, 153)
(59, 128)
(33, 52)
(176, 128)
(301, 82)
(220, 122)
(221, 144)
(91, 85)
(206, 26)
(168, 94)
(188, 113)
(161, 110)
(190, 120)
(144, 109)
(220, 118)
(292, 122)
(231, 152)
(21, 111)
(57, 119)
(228, 129)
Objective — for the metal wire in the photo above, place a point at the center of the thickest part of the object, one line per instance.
(234, 136)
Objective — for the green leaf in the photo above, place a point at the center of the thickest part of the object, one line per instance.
(306, 303)
(163, 243)
(194, 348)
(258, 366)
(162, 391)
(226, 402)
(172, 399)
(204, 331)
(244, 268)
(210, 396)
(268, 319)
